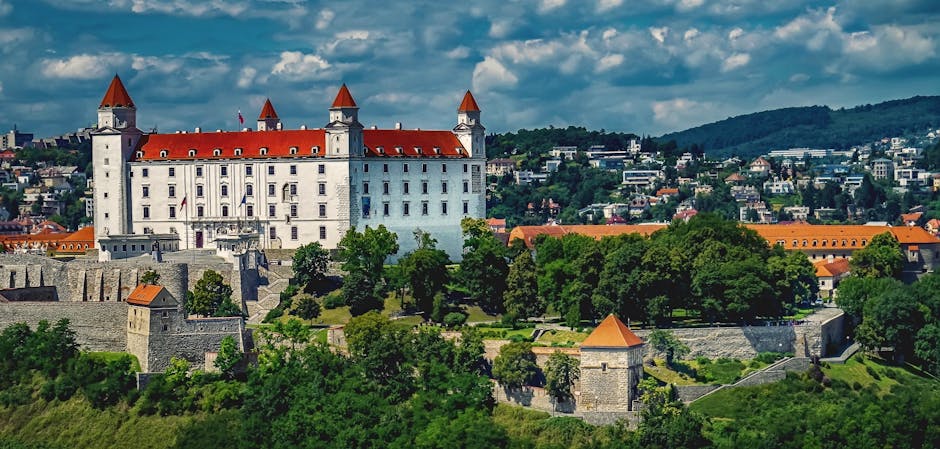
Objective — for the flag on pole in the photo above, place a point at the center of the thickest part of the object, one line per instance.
(244, 199)
(183, 204)
(241, 120)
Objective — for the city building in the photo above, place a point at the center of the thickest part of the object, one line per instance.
(15, 139)
(283, 188)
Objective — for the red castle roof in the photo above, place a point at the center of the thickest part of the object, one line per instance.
(116, 96)
(344, 99)
(468, 103)
(611, 333)
(267, 111)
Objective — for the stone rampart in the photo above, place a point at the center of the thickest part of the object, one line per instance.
(98, 326)
(689, 393)
(191, 340)
(532, 397)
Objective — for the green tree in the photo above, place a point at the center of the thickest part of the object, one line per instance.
(891, 319)
(363, 259)
(667, 343)
(620, 289)
(561, 372)
(228, 358)
(927, 347)
(308, 308)
(855, 292)
(425, 268)
(515, 365)
(793, 276)
(521, 299)
(309, 265)
(150, 277)
(483, 269)
(211, 296)
(881, 258)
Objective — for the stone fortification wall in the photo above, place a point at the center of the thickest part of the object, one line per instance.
(689, 393)
(533, 397)
(191, 340)
(609, 378)
(98, 326)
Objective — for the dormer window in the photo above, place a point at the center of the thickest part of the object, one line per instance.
(315, 149)
(140, 154)
(459, 150)
(217, 152)
(264, 151)
(437, 150)
(399, 150)
(163, 153)
(293, 150)
(418, 150)
(238, 151)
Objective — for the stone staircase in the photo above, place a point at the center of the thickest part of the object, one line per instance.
(273, 279)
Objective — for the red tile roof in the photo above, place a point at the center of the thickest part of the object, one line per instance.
(667, 191)
(911, 217)
(837, 267)
(529, 233)
(116, 96)
(144, 294)
(267, 111)
(611, 333)
(344, 99)
(378, 142)
(468, 104)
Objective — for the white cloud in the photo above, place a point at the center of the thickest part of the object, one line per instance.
(324, 19)
(297, 66)
(799, 78)
(690, 34)
(490, 73)
(609, 34)
(246, 76)
(550, 5)
(681, 112)
(460, 52)
(887, 48)
(659, 33)
(156, 64)
(608, 62)
(500, 28)
(735, 34)
(735, 61)
(686, 5)
(5, 8)
(607, 5)
(82, 66)
(191, 8)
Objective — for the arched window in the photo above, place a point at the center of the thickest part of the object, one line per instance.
(264, 151)
(238, 151)
(217, 152)
(293, 150)
(163, 153)
(192, 153)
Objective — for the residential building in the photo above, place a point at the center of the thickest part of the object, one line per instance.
(500, 167)
(882, 169)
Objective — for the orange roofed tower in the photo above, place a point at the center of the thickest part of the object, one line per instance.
(469, 129)
(611, 368)
(116, 96)
(268, 119)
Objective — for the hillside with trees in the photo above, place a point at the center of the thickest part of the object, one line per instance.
(812, 126)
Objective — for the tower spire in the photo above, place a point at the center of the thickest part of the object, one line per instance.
(268, 119)
(116, 96)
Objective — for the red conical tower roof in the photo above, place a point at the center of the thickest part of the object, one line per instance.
(116, 96)
(267, 111)
(344, 99)
(468, 104)
(611, 333)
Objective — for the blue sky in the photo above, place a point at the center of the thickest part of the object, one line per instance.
(647, 67)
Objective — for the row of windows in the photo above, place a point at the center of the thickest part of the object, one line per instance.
(291, 189)
(822, 243)
(406, 188)
(249, 210)
(292, 169)
(294, 234)
(406, 208)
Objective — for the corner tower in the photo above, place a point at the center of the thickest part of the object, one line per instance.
(469, 130)
(268, 120)
(611, 367)
(344, 132)
(114, 139)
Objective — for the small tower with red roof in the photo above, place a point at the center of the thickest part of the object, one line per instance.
(268, 119)
(611, 368)
(469, 129)
(344, 132)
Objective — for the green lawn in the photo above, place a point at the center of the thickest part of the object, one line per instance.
(562, 338)
(694, 372)
(114, 356)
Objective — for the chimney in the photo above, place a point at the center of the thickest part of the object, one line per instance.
(397, 125)
(278, 127)
(198, 129)
(303, 127)
(374, 127)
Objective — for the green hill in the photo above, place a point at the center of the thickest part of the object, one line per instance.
(812, 126)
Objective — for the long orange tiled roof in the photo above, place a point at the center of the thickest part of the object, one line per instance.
(611, 333)
(528, 233)
(469, 104)
(825, 268)
(343, 98)
(116, 96)
(378, 142)
(144, 294)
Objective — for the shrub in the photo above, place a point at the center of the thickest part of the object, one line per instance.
(891, 374)
(333, 300)
(769, 357)
(856, 386)
(455, 319)
(307, 307)
(702, 360)
(273, 315)
(871, 372)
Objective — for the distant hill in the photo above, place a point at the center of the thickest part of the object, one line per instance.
(812, 126)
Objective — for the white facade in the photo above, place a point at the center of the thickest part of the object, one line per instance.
(206, 187)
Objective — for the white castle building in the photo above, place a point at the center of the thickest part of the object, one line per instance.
(279, 188)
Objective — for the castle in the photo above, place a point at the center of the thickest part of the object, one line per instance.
(277, 188)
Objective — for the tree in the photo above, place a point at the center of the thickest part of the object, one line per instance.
(211, 297)
(515, 365)
(363, 259)
(561, 371)
(308, 308)
(793, 276)
(228, 358)
(620, 289)
(891, 319)
(521, 299)
(425, 268)
(927, 347)
(483, 269)
(855, 292)
(667, 343)
(881, 258)
(150, 277)
(309, 265)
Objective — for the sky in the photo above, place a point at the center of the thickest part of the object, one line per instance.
(647, 67)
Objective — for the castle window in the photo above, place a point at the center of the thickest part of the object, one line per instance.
(804, 243)
(166, 314)
(321, 169)
(466, 208)
(171, 191)
(854, 242)
(399, 150)
(864, 242)
(270, 189)
(459, 150)
(216, 152)
(144, 172)
(293, 232)
(603, 367)
(424, 168)
(172, 211)
(249, 190)
(224, 190)
(293, 211)
(199, 171)
(405, 168)
(200, 211)
(823, 243)
(424, 187)
(293, 150)
(443, 168)
(293, 169)
(272, 233)
(264, 151)
(250, 210)
(238, 151)
(365, 168)
(322, 209)
(146, 211)
(249, 170)
(314, 150)
(272, 210)
(385, 187)
(843, 242)
(466, 189)
(365, 188)
(381, 150)
(418, 150)
(322, 232)
(163, 153)
(437, 150)
(165, 327)
(199, 191)
(225, 211)
(404, 188)
(424, 208)
(814, 243)
(405, 208)
(385, 208)
(140, 154)
(464, 166)
(384, 168)
(321, 188)
(145, 191)
(270, 170)
(192, 153)
(443, 186)
(223, 170)
(171, 172)
(443, 207)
